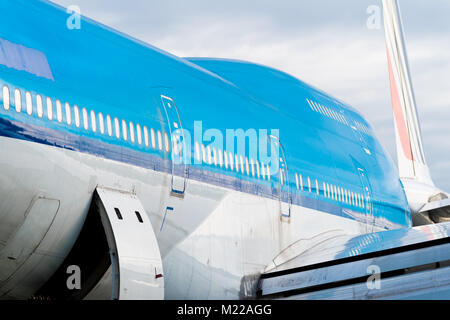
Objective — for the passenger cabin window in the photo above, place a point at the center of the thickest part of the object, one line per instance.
(6, 98)
(93, 121)
(214, 156)
(231, 160)
(197, 152)
(153, 138)
(139, 133)
(39, 106)
(220, 158)
(76, 114)
(263, 171)
(176, 144)
(59, 115)
(109, 125)
(225, 158)
(85, 119)
(242, 164)
(146, 140)
(29, 102)
(101, 123)
(131, 131)
(160, 142)
(247, 167)
(203, 153)
(258, 172)
(166, 142)
(18, 100)
(49, 109)
(117, 127)
(68, 114)
(208, 153)
(124, 130)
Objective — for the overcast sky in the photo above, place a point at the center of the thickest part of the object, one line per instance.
(324, 42)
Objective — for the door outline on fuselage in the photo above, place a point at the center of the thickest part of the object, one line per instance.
(359, 137)
(178, 146)
(362, 174)
(283, 176)
(367, 196)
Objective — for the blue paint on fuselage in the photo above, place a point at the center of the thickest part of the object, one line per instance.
(103, 70)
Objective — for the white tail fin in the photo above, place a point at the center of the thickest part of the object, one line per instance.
(411, 158)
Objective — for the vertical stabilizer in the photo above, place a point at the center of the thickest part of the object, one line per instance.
(410, 154)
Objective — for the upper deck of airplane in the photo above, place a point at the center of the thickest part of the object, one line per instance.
(96, 74)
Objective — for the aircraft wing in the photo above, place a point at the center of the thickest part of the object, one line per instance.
(395, 264)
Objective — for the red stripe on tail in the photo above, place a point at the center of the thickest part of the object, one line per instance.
(398, 115)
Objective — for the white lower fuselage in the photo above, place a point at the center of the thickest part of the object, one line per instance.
(211, 239)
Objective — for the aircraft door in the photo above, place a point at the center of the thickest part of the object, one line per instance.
(356, 129)
(281, 178)
(178, 144)
(367, 203)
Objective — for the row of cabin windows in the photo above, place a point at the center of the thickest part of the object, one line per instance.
(88, 120)
(362, 127)
(157, 139)
(330, 113)
(332, 192)
(231, 161)
(253, 168)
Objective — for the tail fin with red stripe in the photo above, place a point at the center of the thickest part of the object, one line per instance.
(410, 154)
(428, 204)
